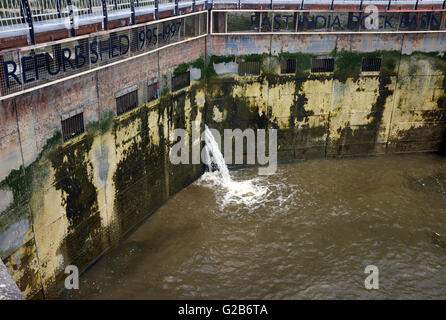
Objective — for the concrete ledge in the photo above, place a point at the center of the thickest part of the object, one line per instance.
(8, 288)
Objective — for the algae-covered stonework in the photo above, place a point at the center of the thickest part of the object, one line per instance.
(65, 203)
(399, 109)
(80, 197)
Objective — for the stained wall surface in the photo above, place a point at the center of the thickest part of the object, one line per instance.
(66, 203)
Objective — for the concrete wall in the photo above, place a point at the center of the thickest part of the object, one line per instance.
(347, 112)
(67, 203)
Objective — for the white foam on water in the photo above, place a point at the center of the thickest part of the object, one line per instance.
(228, 191)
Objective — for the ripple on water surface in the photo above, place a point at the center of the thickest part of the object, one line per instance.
(306, 232)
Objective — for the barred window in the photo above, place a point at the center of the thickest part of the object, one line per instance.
(126, 102)
(371, 64)
(152, 91)
(288, 66)
(249, 68)
(73, 126)
(322, 65)
(180, 81)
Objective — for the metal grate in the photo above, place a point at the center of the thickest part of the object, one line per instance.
(288, 66)
(126, 102)
(180, 81)
(371, 64)
(152, 91)
(249, 68)
(73, 126)
(322, 65)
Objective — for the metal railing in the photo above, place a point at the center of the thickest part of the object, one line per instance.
(88, 11)
(28, 68)
(26, 17)
(12, 18)
(48, 11)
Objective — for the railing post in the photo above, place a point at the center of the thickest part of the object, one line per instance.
(29, 20)
(71, 17)
(389, 4)
(176, 7)
(104, 12)
(302, 5)
(157, 9)
(115, 4)
(22, 12)
(90, 7)
(59, 9)
(360, 5)
(132, 9)
(416, 5)
(332, 5)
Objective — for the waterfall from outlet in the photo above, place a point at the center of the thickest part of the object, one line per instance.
(214, 159)
(217, 177)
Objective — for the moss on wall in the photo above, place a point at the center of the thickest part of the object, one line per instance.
(101, 126)
(317, 115)
(297, 110)
(22, 182)
(181, 68)
(130, 177)
(73, 175)
(70, 176)
(224, 102)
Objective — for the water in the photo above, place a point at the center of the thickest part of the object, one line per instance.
(214, 158)
(310, 235)
(247, 192)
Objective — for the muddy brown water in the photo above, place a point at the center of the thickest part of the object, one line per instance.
(309, 237)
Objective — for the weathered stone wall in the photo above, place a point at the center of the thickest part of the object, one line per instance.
(67, 203)
(347, 112)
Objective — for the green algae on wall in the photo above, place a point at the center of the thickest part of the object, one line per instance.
(119, 160)
(22, 182)
(138, 161)
(20, 253)
(317, 117)
(363, 138)
(400, 109)
(73, 175)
